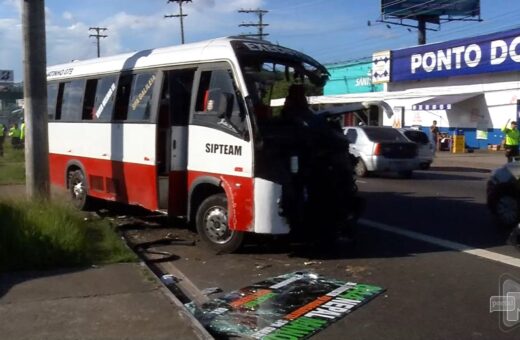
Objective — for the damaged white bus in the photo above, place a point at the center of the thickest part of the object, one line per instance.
(188, 130)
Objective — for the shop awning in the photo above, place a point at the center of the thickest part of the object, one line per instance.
(444, 102)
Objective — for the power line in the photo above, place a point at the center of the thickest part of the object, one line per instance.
(260, 25)
(98, 36)
(180, 16)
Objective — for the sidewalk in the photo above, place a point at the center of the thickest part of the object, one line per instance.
(479, 159)
(121, 301)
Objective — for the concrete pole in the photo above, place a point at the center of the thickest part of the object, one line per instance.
(35, 100)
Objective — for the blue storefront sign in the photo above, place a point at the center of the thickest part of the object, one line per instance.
(496, 52)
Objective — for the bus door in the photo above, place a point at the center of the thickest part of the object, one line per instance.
(220, 147)
(172, 140)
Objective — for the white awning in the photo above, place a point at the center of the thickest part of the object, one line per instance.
(445, 102)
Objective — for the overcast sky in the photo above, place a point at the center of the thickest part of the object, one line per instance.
(329, 30)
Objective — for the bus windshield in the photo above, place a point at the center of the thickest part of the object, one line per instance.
(270, 70)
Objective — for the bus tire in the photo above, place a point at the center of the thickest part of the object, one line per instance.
(212, 225)
(78, 190)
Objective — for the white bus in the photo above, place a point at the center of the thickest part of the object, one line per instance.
(188, 130)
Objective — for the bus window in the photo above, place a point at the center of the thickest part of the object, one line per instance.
(88, 101)
(141, 99)
(122, 97)
(104, 100)
(217, 104)
(52, 94)
(180, 88)
(72, 100)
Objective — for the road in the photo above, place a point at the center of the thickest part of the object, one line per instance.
(435, 290)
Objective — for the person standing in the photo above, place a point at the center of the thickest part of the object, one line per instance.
(2, 137)
(14, 133)
(22, 134)
(434, 130)
(512, 140)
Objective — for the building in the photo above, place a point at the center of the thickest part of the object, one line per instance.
(469, 86)
(351, 77)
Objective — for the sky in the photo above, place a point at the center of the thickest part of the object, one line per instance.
(331, 31)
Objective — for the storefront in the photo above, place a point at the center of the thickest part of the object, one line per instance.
(351, 77)
(470, 86)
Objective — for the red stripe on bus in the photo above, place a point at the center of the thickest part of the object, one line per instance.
(239, 192)
(129, 183)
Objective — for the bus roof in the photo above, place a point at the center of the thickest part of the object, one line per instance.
(215, 49)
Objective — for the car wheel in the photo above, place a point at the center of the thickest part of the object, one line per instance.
(213, 228)
(505, 209)
(361, 169)
(78, 190)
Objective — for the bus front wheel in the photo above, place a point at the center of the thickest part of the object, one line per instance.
(78, 189)
(213, 228)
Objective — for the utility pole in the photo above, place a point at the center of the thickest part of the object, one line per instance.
(180, 16)
(98, 35)
(421, 30)
(35, 100)
(260, 25)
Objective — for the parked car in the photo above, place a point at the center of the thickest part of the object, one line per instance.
(503, 194)
(381, 149)
(425, 147)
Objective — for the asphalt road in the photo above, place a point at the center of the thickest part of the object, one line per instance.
(433, 292)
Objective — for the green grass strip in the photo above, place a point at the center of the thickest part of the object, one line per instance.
(48, 235)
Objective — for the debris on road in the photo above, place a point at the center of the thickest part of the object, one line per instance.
(211, 291)
(169, 279)
(261, 266)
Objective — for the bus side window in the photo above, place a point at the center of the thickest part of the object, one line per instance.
(52, 96)
(88, 102)
(217, 104)
(72, 100)
(122, 97)
(140, 104)
(104, 98)
(59, 101)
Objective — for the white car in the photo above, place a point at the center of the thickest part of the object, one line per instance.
(425, 147)
(381, 149)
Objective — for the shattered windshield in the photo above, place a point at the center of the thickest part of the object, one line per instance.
(271, 70)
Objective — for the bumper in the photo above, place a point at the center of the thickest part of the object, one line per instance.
(379, 163)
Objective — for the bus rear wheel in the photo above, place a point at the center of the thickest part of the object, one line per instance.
(213, 228)
(78, 189)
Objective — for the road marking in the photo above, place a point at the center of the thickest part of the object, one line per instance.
(509, 260)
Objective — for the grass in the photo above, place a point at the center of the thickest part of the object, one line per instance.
(48, 235)
(12, 165)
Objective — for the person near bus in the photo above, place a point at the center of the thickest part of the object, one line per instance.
(434, 130)
(2, 137)
(22, 133)
(512, 139)
(14, 133)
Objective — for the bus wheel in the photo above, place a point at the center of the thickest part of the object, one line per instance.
(78, 189)
(213, 228)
